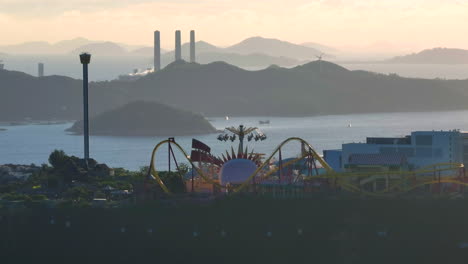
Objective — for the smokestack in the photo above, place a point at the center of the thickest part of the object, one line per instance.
(157, 51)
(178, 54)
(2, 66)
(40, 69)
(192, 46)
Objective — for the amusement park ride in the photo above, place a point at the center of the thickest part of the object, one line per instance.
(246, 171)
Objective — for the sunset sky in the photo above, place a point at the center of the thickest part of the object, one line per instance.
(389, 23)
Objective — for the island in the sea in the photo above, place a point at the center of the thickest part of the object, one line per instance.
(434, 56)
(144, 118)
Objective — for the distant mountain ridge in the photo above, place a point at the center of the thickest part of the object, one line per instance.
(274, 47)
(42, 47)
(220, 89)
(103, 49)
(320, 47)
(434, 56)
(252, 53)
(253, 45)
(145, 51)
(255, 60)
(59, 48)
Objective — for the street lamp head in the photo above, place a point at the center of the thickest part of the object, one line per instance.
(85, 58)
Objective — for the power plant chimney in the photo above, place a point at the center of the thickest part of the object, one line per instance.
(40, 69)
(157, 51)
(192, 46)
(178, 52)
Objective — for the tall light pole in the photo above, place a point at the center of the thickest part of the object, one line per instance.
(85, 58)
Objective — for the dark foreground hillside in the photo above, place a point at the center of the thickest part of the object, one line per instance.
(242, 231)
(142, 118)
(220, 89)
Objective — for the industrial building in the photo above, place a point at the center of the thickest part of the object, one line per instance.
(413, 152)
(157, 51)
(192, 46)
(40, 69)
(177, 48)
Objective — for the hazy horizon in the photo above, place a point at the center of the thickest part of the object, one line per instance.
(344, 24)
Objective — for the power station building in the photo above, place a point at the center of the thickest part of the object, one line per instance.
(413, 152)
(157, 51)
(192, 46)
(177, 48)
(40, 69)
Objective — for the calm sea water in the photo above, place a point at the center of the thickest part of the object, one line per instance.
(28, 144)
(425, 71)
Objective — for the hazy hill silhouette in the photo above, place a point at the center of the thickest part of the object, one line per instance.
(143, 118)
(201, 47)
(320, 47)
(41, 47)
(251, 52)
(274, 47)
(28, 48)
(219, 89)
(208, 53)
(434, 56)
(102, 48)
(145, 51)
(63, 47)
(66, 46)
(257, 60)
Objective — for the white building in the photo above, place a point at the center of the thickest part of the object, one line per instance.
(421, 148)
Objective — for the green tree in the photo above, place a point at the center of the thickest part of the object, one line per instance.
(38, 197)
(183, 169)
(173, 181)
(78, 194)
(58, 158)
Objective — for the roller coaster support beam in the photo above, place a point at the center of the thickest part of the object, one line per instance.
(192, 180)
(280, 165)
(169, 154)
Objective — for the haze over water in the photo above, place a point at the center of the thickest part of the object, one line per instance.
(109, 68)
(28, 144)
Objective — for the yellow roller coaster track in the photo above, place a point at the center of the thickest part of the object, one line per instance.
(312, 152)
(343, 179)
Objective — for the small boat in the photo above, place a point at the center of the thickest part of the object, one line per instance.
(226, 118)
(349, 125)
(264, 122)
